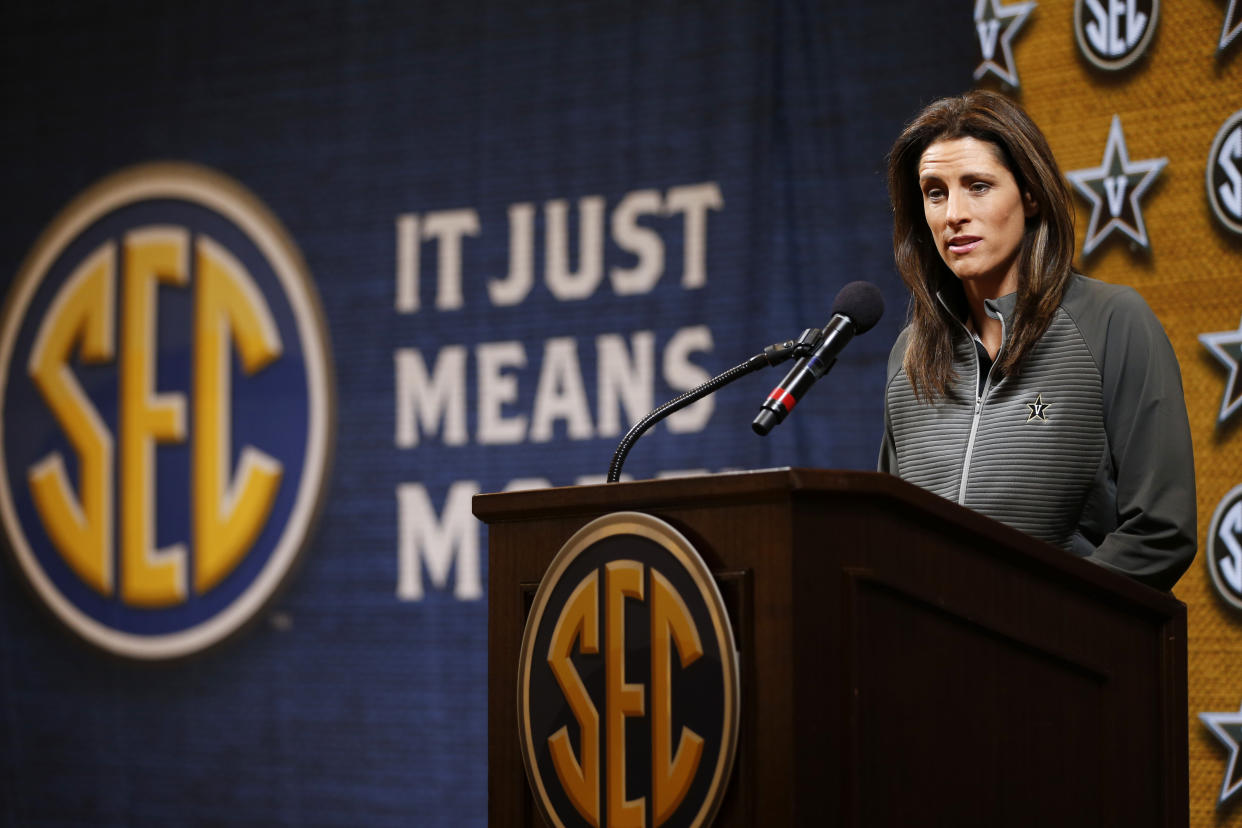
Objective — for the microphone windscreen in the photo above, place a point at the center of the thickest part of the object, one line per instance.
(862, 302)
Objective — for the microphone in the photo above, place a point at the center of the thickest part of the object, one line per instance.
(858, 306)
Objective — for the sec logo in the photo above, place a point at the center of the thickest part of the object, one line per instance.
(166, 411)
(1224, 548)
(628, 681)
(1113, 34)
(1224, 174)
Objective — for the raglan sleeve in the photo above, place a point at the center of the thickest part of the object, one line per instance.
(1149, 442)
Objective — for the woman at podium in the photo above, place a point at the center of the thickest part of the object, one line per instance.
(1021, 389)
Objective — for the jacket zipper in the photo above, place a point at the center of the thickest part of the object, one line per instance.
(979, 398)
(970, 445)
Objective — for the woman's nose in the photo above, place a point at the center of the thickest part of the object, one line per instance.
(955, 207)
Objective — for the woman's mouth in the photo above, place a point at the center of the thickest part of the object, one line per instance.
(963, 244)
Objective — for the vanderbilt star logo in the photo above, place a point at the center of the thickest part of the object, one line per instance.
(1231, 28)
(996, 26)
(1226, 346)
(1038, 409)
(1228, 728)
(1115, 187)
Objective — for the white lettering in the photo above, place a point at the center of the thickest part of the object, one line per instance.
(435, 400)
(1106, 31)
(565, 284)
(1116, 46)
(695, 200)
(448, 227)
(407, 263)
(624, 380)
(571, 272)
(643, 242)
(1097, 27)
(1136, 23)
(682, 375)
(432, 400)
(525, 484)
(439, 543)
(560, 395)
(592, 479)
(497, 388)
(516, 287)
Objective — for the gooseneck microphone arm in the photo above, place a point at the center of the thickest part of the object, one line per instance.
(856, 309)
(772, 355)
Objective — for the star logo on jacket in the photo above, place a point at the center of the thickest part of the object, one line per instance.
(1229, 30)
(1226, 346)
(1115, 188)
(1038, 409)
(1227, 727)
(996, 26)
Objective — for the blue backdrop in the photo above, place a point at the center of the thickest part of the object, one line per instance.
(550, 214)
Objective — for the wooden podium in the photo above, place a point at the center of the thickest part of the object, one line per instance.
(904, 661)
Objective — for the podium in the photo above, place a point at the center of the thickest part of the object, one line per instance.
(903, 660)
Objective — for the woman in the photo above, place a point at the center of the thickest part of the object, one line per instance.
(1032, 394)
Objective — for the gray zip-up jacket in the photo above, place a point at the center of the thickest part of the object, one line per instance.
(1086, 447)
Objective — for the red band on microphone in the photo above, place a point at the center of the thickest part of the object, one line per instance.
(783, 398)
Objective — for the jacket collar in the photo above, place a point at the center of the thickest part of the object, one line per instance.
(954, 301)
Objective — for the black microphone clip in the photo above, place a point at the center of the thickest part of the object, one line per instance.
(778, 352)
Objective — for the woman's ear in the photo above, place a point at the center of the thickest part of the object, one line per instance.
(1029, 206)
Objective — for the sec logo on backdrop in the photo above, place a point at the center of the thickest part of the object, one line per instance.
(166, 411)
(1224, 174)
(628, 681)
(1113, 35)
(1224, 548)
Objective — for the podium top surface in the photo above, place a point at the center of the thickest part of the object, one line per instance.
(500, 506)
(790, 484)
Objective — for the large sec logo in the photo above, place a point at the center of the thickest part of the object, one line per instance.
(628, 681)
(166, 411)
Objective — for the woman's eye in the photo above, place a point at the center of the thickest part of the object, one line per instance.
(934, 194)
(979, 187)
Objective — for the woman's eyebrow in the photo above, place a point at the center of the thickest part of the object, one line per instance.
(967, 174)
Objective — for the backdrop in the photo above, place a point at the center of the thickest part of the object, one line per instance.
(288, 283)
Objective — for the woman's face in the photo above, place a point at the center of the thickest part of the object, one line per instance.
(975, 211)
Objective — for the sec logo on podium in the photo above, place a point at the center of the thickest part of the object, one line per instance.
(166, 411)
(628, 681)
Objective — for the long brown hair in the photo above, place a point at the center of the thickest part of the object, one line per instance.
(1044, 259)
